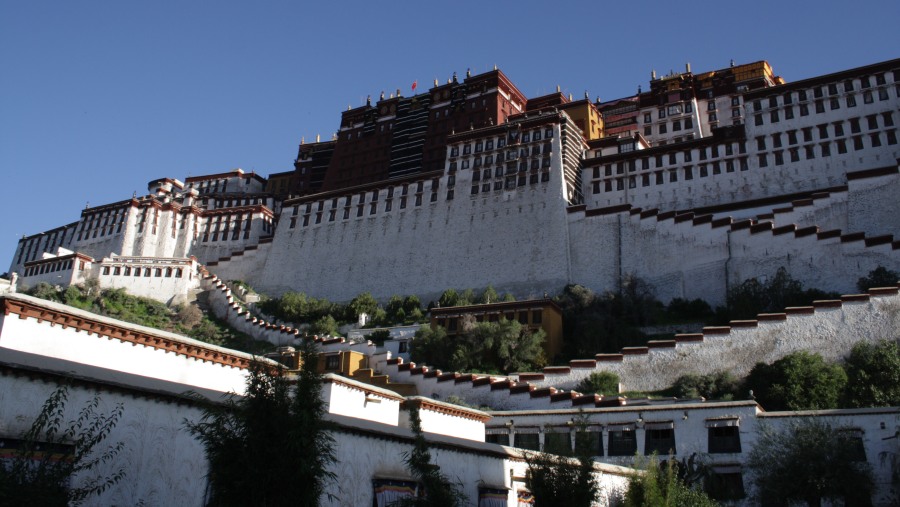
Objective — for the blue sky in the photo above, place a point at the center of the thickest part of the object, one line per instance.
(98, 98)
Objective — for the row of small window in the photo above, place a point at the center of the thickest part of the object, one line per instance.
(832, 89)
(677, 125)
(673, 110)
(660, 160)
(361, 197)
(223, 235)
(511, 168)
(659, 438)
(51, 267)
(229, 203)
(511, 138)
(834, 103)
(102, 231)
(536, 150)
(373, 209)
(703, 170)
(836, 127)
(825, 150)
(512, 182)
(146, 272)
(212, 187)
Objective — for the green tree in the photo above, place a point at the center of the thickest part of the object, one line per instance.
(437, 489)
(52, 454)
(753, 297)
(489, 295)
(798, 381)
(325, 325)
(467, 297)
(509, 298)
(430, 346)
(659, 485)
(808, 462)
(363, 303)
(449, 298)
(563, 478)
(721, 385)
(272, 446)
(601, 382)
(878, 277)
(503, 346)
(873, 374)
(412, 304)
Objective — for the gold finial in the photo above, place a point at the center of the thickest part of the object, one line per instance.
(302, 139)
(348, 107)
(557, 89)
(570, 97)
(435, 81)
(318, 137)
(495, 66)
(382, 94)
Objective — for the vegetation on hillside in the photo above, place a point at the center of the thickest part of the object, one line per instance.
(187, 319)
(486, 347)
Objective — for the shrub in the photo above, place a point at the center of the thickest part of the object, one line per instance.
(603, 382)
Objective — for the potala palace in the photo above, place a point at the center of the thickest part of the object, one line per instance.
(695, 184)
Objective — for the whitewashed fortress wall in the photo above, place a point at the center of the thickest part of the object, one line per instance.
(512, 234)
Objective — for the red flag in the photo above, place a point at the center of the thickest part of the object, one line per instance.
(415, 84)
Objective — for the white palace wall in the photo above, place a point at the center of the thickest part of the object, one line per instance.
(164, 464)
(515, 240)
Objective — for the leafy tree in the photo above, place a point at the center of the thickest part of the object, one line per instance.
(324, 326)
(363, 303)
(430, 346)
(659, 485)
(878, 277)
(438, 491)
(411, 304)
(509, 298)
(378, 337)
(560, 477)
(467, 297)
(489, 295)
(809, 462)
(753, 297)
(606, 322)
(503, 346)
(449, 298)
(721, 385)
(271, 446)
(873, 374)
(798, 381)
(416, 315)
(41, 471)
(602, 382)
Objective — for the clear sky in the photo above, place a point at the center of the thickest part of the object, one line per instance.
(98, 98)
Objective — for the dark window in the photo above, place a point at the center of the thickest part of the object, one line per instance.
(497, 438)
(622, 443)
(660, 441)
(333, 362)
(557, 442)
(725, 486)
(724, 439)
(526, 441)
(590, 441)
